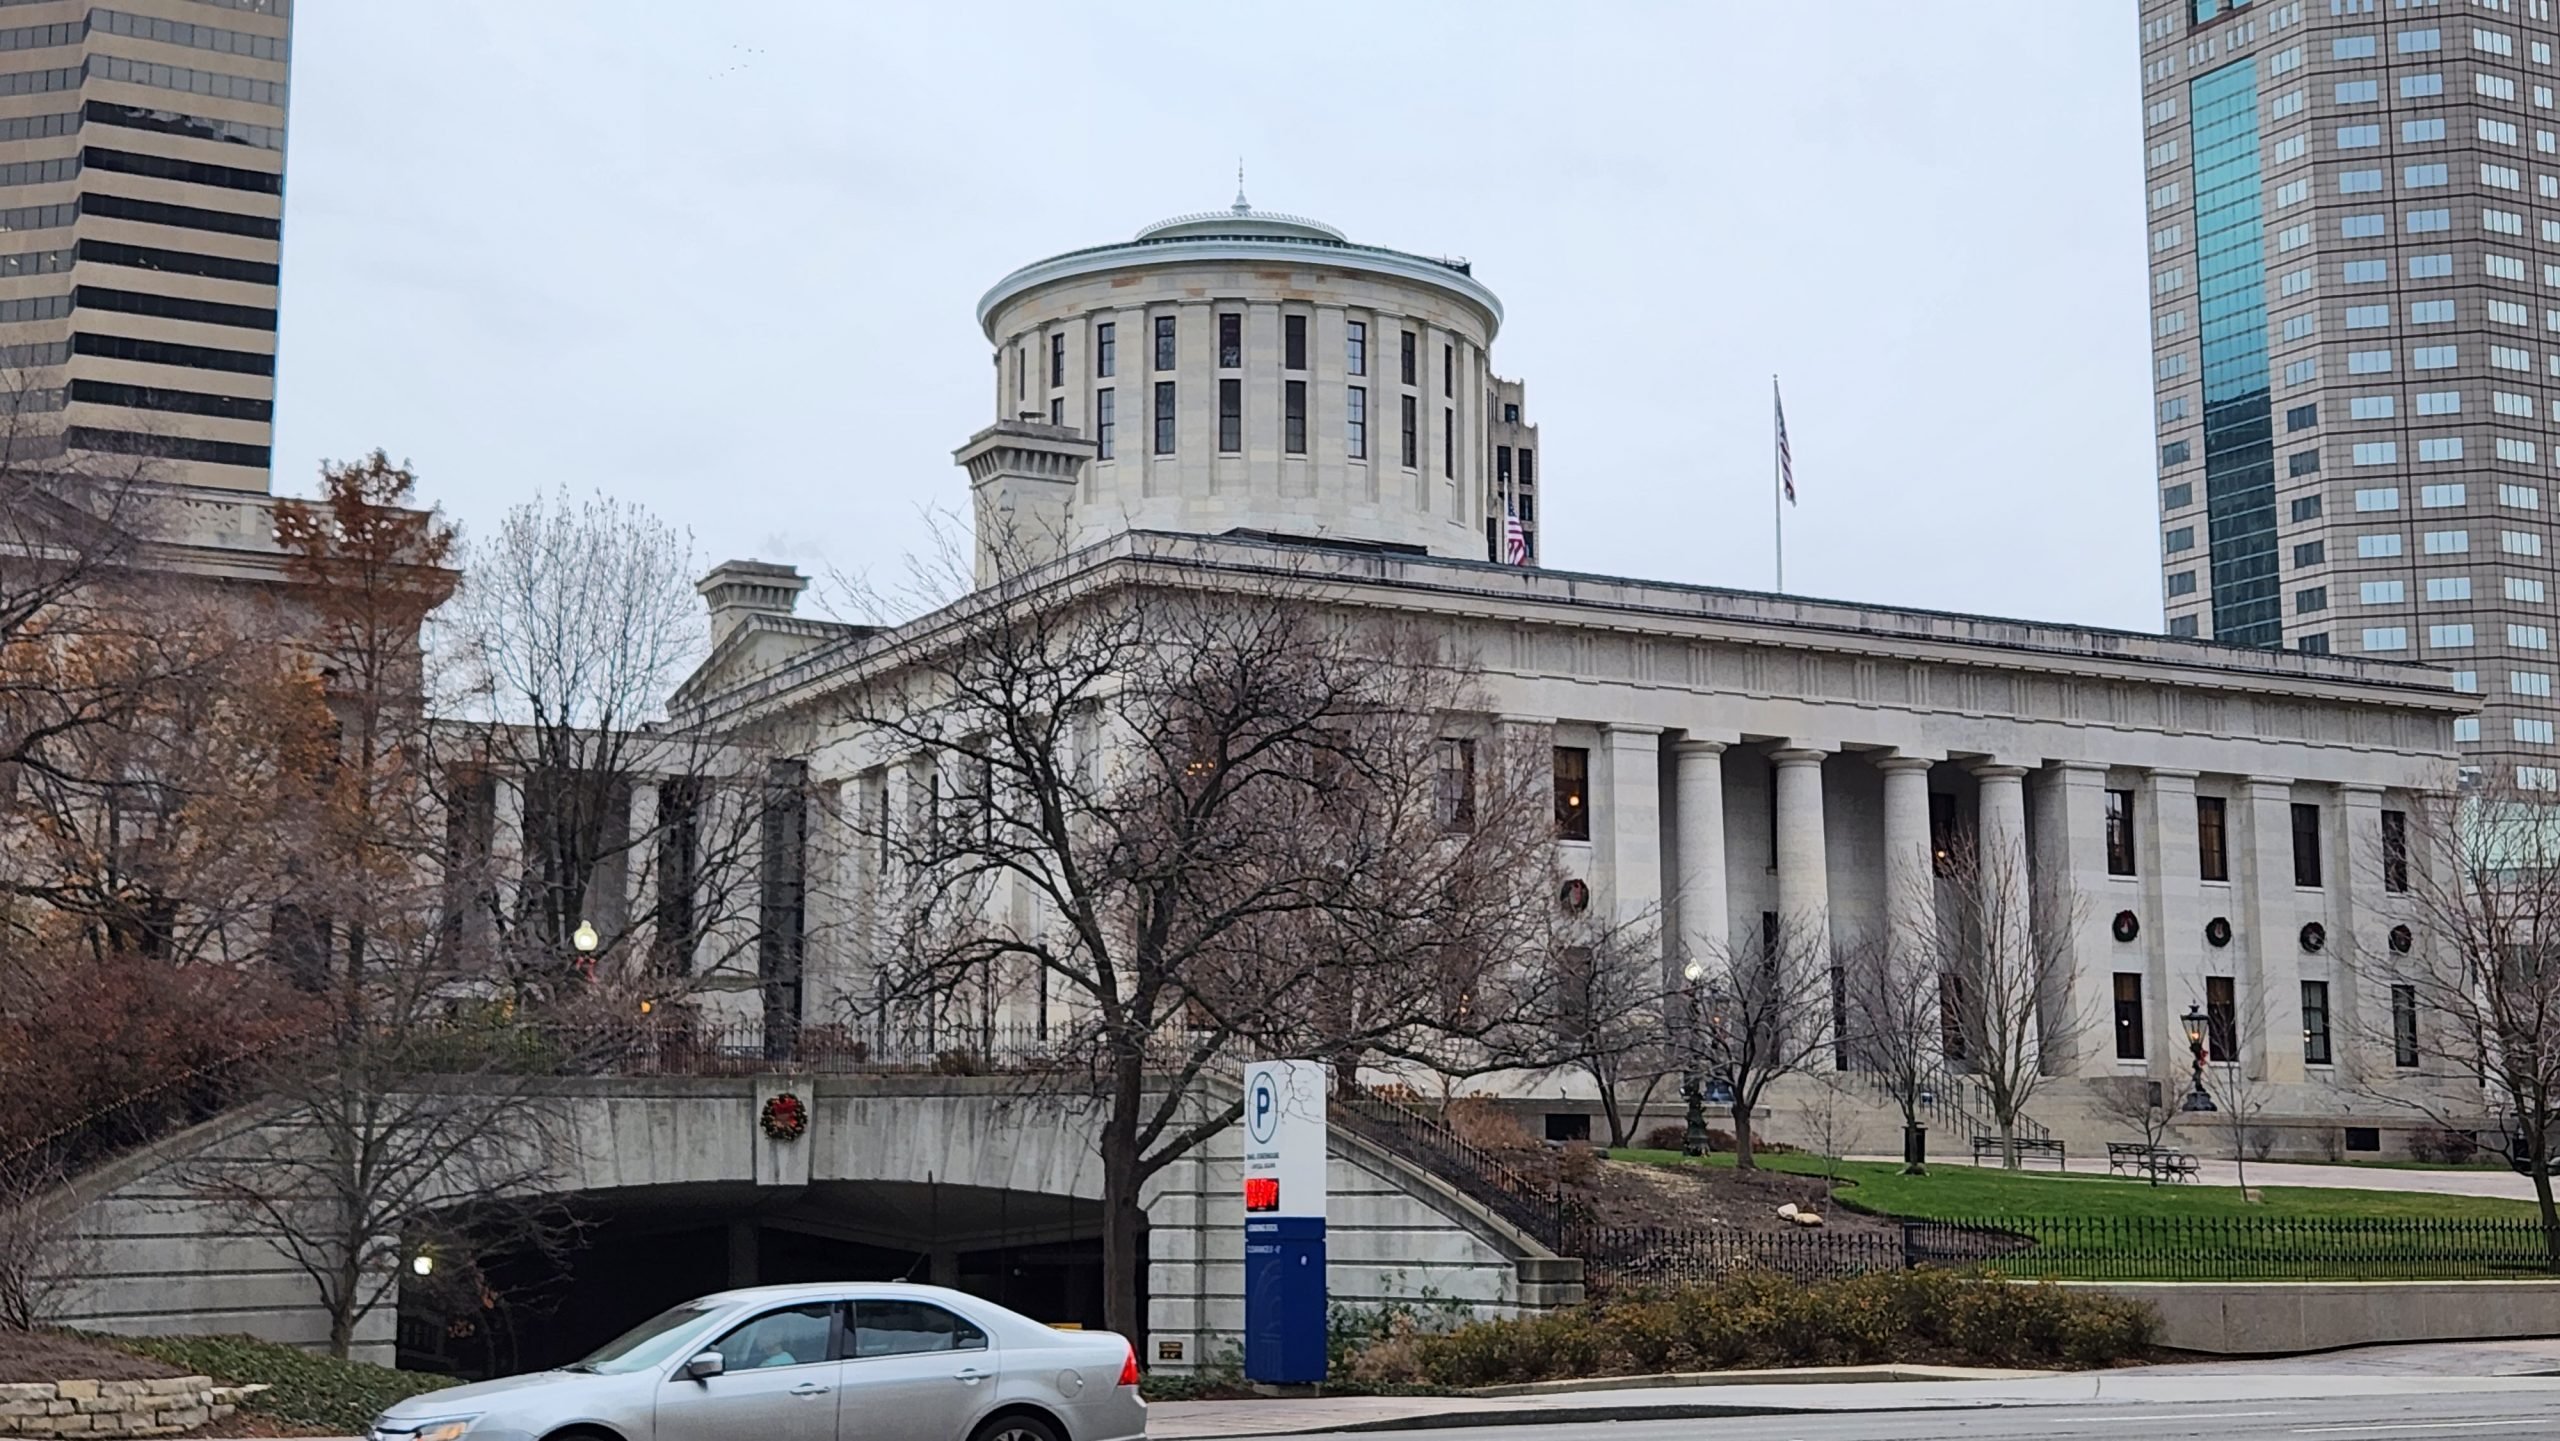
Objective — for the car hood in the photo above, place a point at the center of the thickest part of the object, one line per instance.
(480, 1395)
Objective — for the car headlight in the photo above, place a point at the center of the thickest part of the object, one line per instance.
(443, 1428)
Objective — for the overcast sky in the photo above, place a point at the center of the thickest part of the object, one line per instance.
(724, 258)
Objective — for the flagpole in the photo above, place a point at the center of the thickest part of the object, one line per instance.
(1777, 496)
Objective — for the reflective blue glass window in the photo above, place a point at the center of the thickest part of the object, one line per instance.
(2239, 430)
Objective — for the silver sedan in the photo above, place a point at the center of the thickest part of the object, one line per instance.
(809, 1363)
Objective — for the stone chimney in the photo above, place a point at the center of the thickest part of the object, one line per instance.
(1023, 476)
(737, 589)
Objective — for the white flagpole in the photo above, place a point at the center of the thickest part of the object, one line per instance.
(1777, 484)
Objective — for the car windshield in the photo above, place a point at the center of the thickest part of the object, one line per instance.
(647, 1344)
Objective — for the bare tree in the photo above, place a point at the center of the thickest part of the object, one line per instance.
(2473, 975)
(1899, 1023)
(2240, 1097)
(2005, 953)
(576, 622)
(1826, 1118)
(1178, 828)
(1592, 1004)
(1766, 1013)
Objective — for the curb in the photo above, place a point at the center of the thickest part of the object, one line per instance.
(1564, 1416)
(1778, 1376)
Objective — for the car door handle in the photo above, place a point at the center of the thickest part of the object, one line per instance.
(808, 1388)
(970, 1374)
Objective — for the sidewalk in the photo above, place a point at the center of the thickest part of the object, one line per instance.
(2513, 1366)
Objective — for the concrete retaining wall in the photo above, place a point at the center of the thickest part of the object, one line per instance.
(2275, 1318)
(162, 1259)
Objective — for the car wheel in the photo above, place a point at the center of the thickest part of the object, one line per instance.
(1015, 1428)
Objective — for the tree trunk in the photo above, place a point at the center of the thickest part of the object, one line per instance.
(1742, 1160)
(1610, 1111)
(342, 1307)
(1123, 1234)
(2537, 1155)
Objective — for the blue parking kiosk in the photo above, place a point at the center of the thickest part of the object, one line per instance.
(1284, 1202)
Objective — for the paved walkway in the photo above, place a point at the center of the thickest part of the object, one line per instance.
(2483, 1182)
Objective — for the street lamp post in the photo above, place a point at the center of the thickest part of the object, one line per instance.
(2198, 1099)
(1693, 1083)
(585, 940)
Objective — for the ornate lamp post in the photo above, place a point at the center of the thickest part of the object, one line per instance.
(2197, 1097)
(1693, 1084)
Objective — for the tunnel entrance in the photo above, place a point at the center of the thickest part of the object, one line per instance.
(637, 1252)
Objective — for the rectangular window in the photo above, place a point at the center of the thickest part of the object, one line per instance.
(1356, 422)
(1057, 410)
(2430, 267)
(2213, 855)
(2395, 851)
(2128, 1015)
(1104, 424)
(1355, 346)
(2310, 552)
(2449, 637)
(1106, 349)
(2434, 357)
(2418, 42)
(1230, 416)
(1448, 370)
(1448, 441)
(2533, 732)
(2528, 637)
(1293, 342)
(1164, 343)
(1164, 417)
(2519, 587)
(2382, 592)
(2404, 1027)
(2306, 507)
(2449, 587)
(2529, 682)
(1456, 792)
(2221, 1020)
(2183, 583)
(1057, 359)
(1412, 436)
(2306, 845)
(2376, 547)
(2386, 638)
(2300, 417)
(2432, 497)
(2315, 1023)
(1230, 341)
(1573, 785)
(2120, 833)
(1409, 365)
(2369, 407)
(2519, 542)
(1293, 417)
(2181, 539)
(2413, 87)
(2365, 272)
(2306, 602)
(2430, 312)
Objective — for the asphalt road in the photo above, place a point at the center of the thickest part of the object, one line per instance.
(2479, 1416)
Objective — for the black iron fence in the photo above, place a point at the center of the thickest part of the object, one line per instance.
(2090, 1248)
(1533, 1205)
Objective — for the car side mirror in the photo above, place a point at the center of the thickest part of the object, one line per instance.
(705, 1366)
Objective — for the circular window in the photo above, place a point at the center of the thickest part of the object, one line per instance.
(2401, 940)
(2314, 935)
(1577, 895)
(2127, 925)
(2218, 931)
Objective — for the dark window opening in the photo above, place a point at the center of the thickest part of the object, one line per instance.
(2213, 851)
(2221, 1020)
(1293, 342)
(2128, 1015)
(2306, 845)
(2395, 851)
(1293, 417)
(1573, 793)
(1230, 342)
(2120, 833)
(1230, 416)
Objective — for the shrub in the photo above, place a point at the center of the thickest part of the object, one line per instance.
(1750, 1318)
(2444, 1147)
(1490, 1126)
(1577, 1166)
(1665, 1138)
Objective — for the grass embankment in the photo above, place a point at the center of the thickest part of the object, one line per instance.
(1968, 1193)
(339, 1397)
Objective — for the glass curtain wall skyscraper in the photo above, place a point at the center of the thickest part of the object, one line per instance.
(142, 192)
(2354, 247)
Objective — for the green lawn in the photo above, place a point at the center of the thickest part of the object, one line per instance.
(1972, 1193)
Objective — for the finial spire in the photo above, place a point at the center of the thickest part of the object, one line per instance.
(1242, 205)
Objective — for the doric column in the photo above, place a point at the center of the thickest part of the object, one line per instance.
(1629, 834)
(2001, 877)
(1804, 882)
(2075, 899)
(1910, 886)
(2172, 913)
(2357, 920)
(2270, 998)
(1706, 926)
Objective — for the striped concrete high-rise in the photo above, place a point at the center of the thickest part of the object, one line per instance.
(141, 221)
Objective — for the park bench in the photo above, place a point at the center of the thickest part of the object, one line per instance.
(1989, 1146)
(2144, 1159)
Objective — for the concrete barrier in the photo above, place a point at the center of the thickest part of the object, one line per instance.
(2278, 1318)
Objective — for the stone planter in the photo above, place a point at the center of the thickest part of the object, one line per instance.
(163, 1407)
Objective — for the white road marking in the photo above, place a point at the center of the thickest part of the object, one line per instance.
(2412, 1426)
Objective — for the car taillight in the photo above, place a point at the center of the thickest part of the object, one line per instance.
(1129, 1368)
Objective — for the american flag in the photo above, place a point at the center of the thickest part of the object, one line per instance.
(1786, 457)
(1515, 541)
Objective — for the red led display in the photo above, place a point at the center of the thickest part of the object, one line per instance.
(1262, 1193)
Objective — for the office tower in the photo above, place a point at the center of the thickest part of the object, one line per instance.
(2354, 215)
(142, 194)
